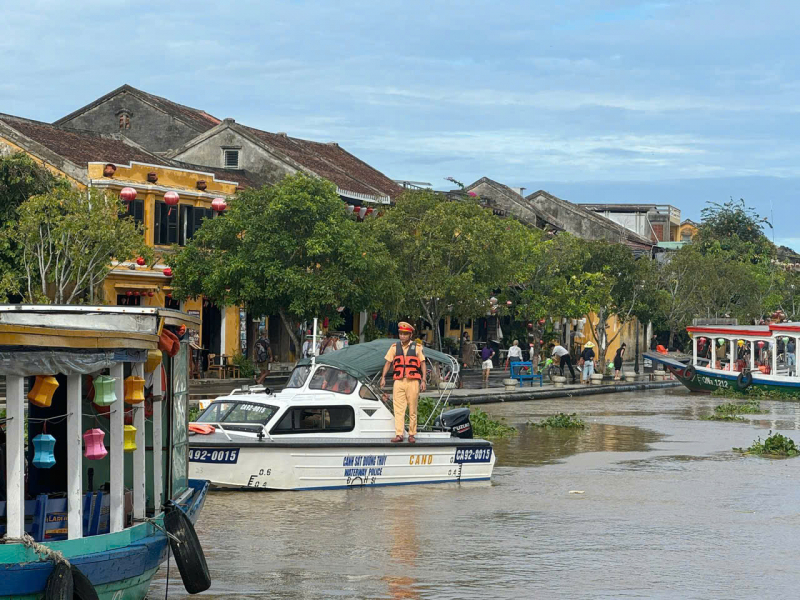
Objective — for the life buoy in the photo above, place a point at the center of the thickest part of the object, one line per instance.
(187, 550)
(745, 380)
(59, 584)
(82, 588)
(689, 372)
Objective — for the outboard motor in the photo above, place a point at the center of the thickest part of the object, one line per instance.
(456, 421)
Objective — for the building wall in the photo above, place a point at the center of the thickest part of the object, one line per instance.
(578, 221)
(8, 147)
(518, 209)
(252, 157)
(148, 126)
(687, 228)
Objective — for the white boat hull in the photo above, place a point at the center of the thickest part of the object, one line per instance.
(334, 465)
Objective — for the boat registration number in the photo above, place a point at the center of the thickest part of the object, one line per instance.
(225, 456)
(473, 455)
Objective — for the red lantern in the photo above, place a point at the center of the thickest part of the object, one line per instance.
(541, 321)
(369, 212)
(129, 293)
(169, 295)
(127, 194)
(151, 293)
(530, 325)
(374, 316)
(171, 199)
(135, 293)
(760, 344)
(219, 205)
(167, 272)
(325, 322)
(140, 261)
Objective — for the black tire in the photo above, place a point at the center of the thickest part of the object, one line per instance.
(745, 380)
(188, 553)
(82, 588)
(689, 372)
(59, 584)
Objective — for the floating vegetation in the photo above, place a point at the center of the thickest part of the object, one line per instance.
(776, 445)
(483, 426)
(731, 411)
(561, 421)
(754, 392)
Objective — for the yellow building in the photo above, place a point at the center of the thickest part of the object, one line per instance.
(687, 231)
(111, 162)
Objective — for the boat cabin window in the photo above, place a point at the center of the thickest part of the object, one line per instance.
(237, 412)
(312, 418)
(333, 380)
(299, 376)
(366, 393)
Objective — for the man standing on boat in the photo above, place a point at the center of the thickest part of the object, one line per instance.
(408, 365)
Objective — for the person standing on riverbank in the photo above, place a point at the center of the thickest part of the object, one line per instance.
(564, 359)
(486, 356)
(588, 362)
(408, 363)
(263, 356)
(618, 362)
(514, 353)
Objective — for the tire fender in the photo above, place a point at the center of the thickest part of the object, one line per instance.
(59, 583)
(689, 372)
(187, 550)
(82, 588)
(745, 380)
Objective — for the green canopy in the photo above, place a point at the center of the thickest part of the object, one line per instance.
(364, 361)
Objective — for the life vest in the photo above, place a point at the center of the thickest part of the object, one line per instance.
(406, 365)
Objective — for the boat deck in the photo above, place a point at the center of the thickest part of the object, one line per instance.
(219, 440)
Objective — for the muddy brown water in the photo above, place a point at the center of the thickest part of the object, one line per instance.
(667, 511)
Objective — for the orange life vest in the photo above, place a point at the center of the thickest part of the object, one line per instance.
(406, 365)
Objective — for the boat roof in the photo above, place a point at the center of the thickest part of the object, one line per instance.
(760, 331)
(364, 361)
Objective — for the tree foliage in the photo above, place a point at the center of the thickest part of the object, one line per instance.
(449, 257)
(66, 241)
(736, 231)
(290, 250)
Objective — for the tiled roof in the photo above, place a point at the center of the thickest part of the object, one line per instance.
(81, 147)
(331, 162)
(245, 179)
(193, 117)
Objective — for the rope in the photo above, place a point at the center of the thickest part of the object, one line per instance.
(157, 525)
(43, 551)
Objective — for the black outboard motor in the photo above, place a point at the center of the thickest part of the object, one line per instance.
(456, 421)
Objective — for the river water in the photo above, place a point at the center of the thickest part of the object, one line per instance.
(667, 511)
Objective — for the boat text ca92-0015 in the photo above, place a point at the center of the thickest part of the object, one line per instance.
(78, 517)
(738, 358)
(331, 428)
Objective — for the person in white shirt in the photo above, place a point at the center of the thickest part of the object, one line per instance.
(308, 346)
(563, 354)
(514, 353)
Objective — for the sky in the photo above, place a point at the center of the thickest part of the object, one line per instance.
(680, 102)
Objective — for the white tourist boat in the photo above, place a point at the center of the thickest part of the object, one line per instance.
(329, 428)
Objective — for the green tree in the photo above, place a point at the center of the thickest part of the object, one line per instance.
(20, 178)
(290, 250)
(736, 231)
(450, 256)
(66, 239)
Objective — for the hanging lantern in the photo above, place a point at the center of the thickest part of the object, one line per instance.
(325, 322)
(141, 261)
(134, 390)
(740, 343)
(153, 360)
(362, 211)
(41, 393)
(530, 325)
(127, 195)
(104, 393)
(43, 451)
(720, 342)
(219, 205)
(493, 300)
(151, 293)
(167, 272)
(760, 344)
(369, 211)
(129, 293)
(541, 321)
(135, 293)
(130, 438)
(171, 199)
(94, 449)
(508, 302)
(350, 208)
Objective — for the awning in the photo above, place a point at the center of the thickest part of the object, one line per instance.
(136, 286)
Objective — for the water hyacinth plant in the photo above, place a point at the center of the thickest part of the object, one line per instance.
(561, 421)
(776, 445)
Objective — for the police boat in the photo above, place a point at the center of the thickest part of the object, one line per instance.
(330, 428)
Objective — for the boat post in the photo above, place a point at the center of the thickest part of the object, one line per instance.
(694, 350)
(74, 458)
(15, 459)
(314, 344)
(116, 517)
(139, 463)
(158, 433)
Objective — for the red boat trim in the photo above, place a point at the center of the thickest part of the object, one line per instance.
(754, 331)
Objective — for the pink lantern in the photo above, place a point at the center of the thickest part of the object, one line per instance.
(127, 194)
(171, 198)
(362, 211)
(473, 194)
(508, 302)
(760, 344)
(94, 449)
(219, 205)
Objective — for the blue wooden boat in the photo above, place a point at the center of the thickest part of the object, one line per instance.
(107, 516)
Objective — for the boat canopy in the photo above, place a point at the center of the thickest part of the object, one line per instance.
(365, 361)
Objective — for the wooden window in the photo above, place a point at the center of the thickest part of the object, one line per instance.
(165, 225)
(135, 210)
(230, 158)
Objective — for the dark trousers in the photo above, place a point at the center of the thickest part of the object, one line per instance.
(567, 360)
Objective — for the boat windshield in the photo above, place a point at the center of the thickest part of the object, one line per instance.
(237, 412)
(333, 380)
(299, 376)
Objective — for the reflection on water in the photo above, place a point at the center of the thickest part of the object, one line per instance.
(668, 512)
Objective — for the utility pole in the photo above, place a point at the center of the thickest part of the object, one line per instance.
(636, 363)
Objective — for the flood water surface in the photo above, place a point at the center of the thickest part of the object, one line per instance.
(666, 510)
